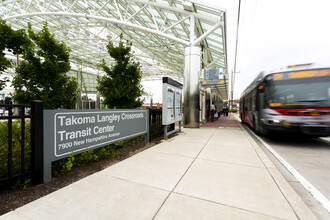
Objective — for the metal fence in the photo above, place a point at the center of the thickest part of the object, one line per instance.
(156, 128)
(14, 144)
(18, 134)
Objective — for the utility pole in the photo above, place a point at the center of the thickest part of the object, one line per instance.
(232, 90)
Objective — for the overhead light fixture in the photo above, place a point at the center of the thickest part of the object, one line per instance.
(188, 6)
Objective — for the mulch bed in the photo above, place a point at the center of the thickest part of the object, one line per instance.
(11, 199)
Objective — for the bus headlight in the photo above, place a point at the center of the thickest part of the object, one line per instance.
(274, 122)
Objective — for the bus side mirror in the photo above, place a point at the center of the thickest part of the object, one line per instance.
(261, 88)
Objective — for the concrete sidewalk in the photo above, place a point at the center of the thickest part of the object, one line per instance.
(206, 173)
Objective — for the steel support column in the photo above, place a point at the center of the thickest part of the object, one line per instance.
(191, 87)
(203, 107)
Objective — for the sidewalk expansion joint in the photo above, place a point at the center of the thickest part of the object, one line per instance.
(271, 175)
(142, 184)
(183, 175)
(223, 204)
(171, 154)
(238, 164)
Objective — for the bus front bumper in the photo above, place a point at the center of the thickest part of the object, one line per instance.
(320, 129)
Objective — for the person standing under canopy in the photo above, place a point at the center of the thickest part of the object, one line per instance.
(212, 112)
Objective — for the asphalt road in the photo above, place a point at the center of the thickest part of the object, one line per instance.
(309, 156)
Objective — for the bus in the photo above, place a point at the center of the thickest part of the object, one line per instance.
(293, 99)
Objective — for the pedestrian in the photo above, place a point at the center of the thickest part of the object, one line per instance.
(225, 112)
(215, 113)
(212, 112)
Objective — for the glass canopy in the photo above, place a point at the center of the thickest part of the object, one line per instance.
(158, 29)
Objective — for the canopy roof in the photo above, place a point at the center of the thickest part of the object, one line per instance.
(159, 31)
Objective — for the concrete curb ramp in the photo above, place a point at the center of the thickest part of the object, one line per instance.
(206, 173)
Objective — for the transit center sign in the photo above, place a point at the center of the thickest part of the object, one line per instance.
(76, 131)
(67, 131)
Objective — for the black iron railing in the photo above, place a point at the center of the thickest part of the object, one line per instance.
(15, 130)
(20, 142)
(155, 124)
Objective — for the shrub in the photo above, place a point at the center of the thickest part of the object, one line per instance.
(16, 147)
(63, 166)
(58, 167)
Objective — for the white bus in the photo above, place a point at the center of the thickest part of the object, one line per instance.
(293, 99)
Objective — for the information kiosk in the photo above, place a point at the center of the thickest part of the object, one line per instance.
(172, 105)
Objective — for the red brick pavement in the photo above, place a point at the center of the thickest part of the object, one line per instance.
(226, 122)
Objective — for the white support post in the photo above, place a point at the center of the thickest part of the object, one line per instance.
(191, 87)
(192, 28)
(203, 106)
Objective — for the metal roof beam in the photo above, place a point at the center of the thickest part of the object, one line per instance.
(178, 10)
(134, 26)
(118, 10)
(210, 31)
(102, 7)
(175, 24)
(137, 12)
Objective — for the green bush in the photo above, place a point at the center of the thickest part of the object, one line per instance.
(58, 167)
(63, 166)
(16, 147)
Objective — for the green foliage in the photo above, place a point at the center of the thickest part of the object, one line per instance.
(86, 157)
(42, 74)
(13, 41)
(22, 183)
(16, 147)
(7, 100)
(63, 166)
(121, 86)
(69, 163)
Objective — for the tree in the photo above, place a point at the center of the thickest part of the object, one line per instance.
(42, 74)
(12, 41)
(121, 86)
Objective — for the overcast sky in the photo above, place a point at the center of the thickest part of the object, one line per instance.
(275, 33)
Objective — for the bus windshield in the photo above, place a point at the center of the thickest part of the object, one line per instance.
(299, 93)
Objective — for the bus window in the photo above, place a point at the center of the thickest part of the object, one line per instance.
(261, 100)
(290, 98)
